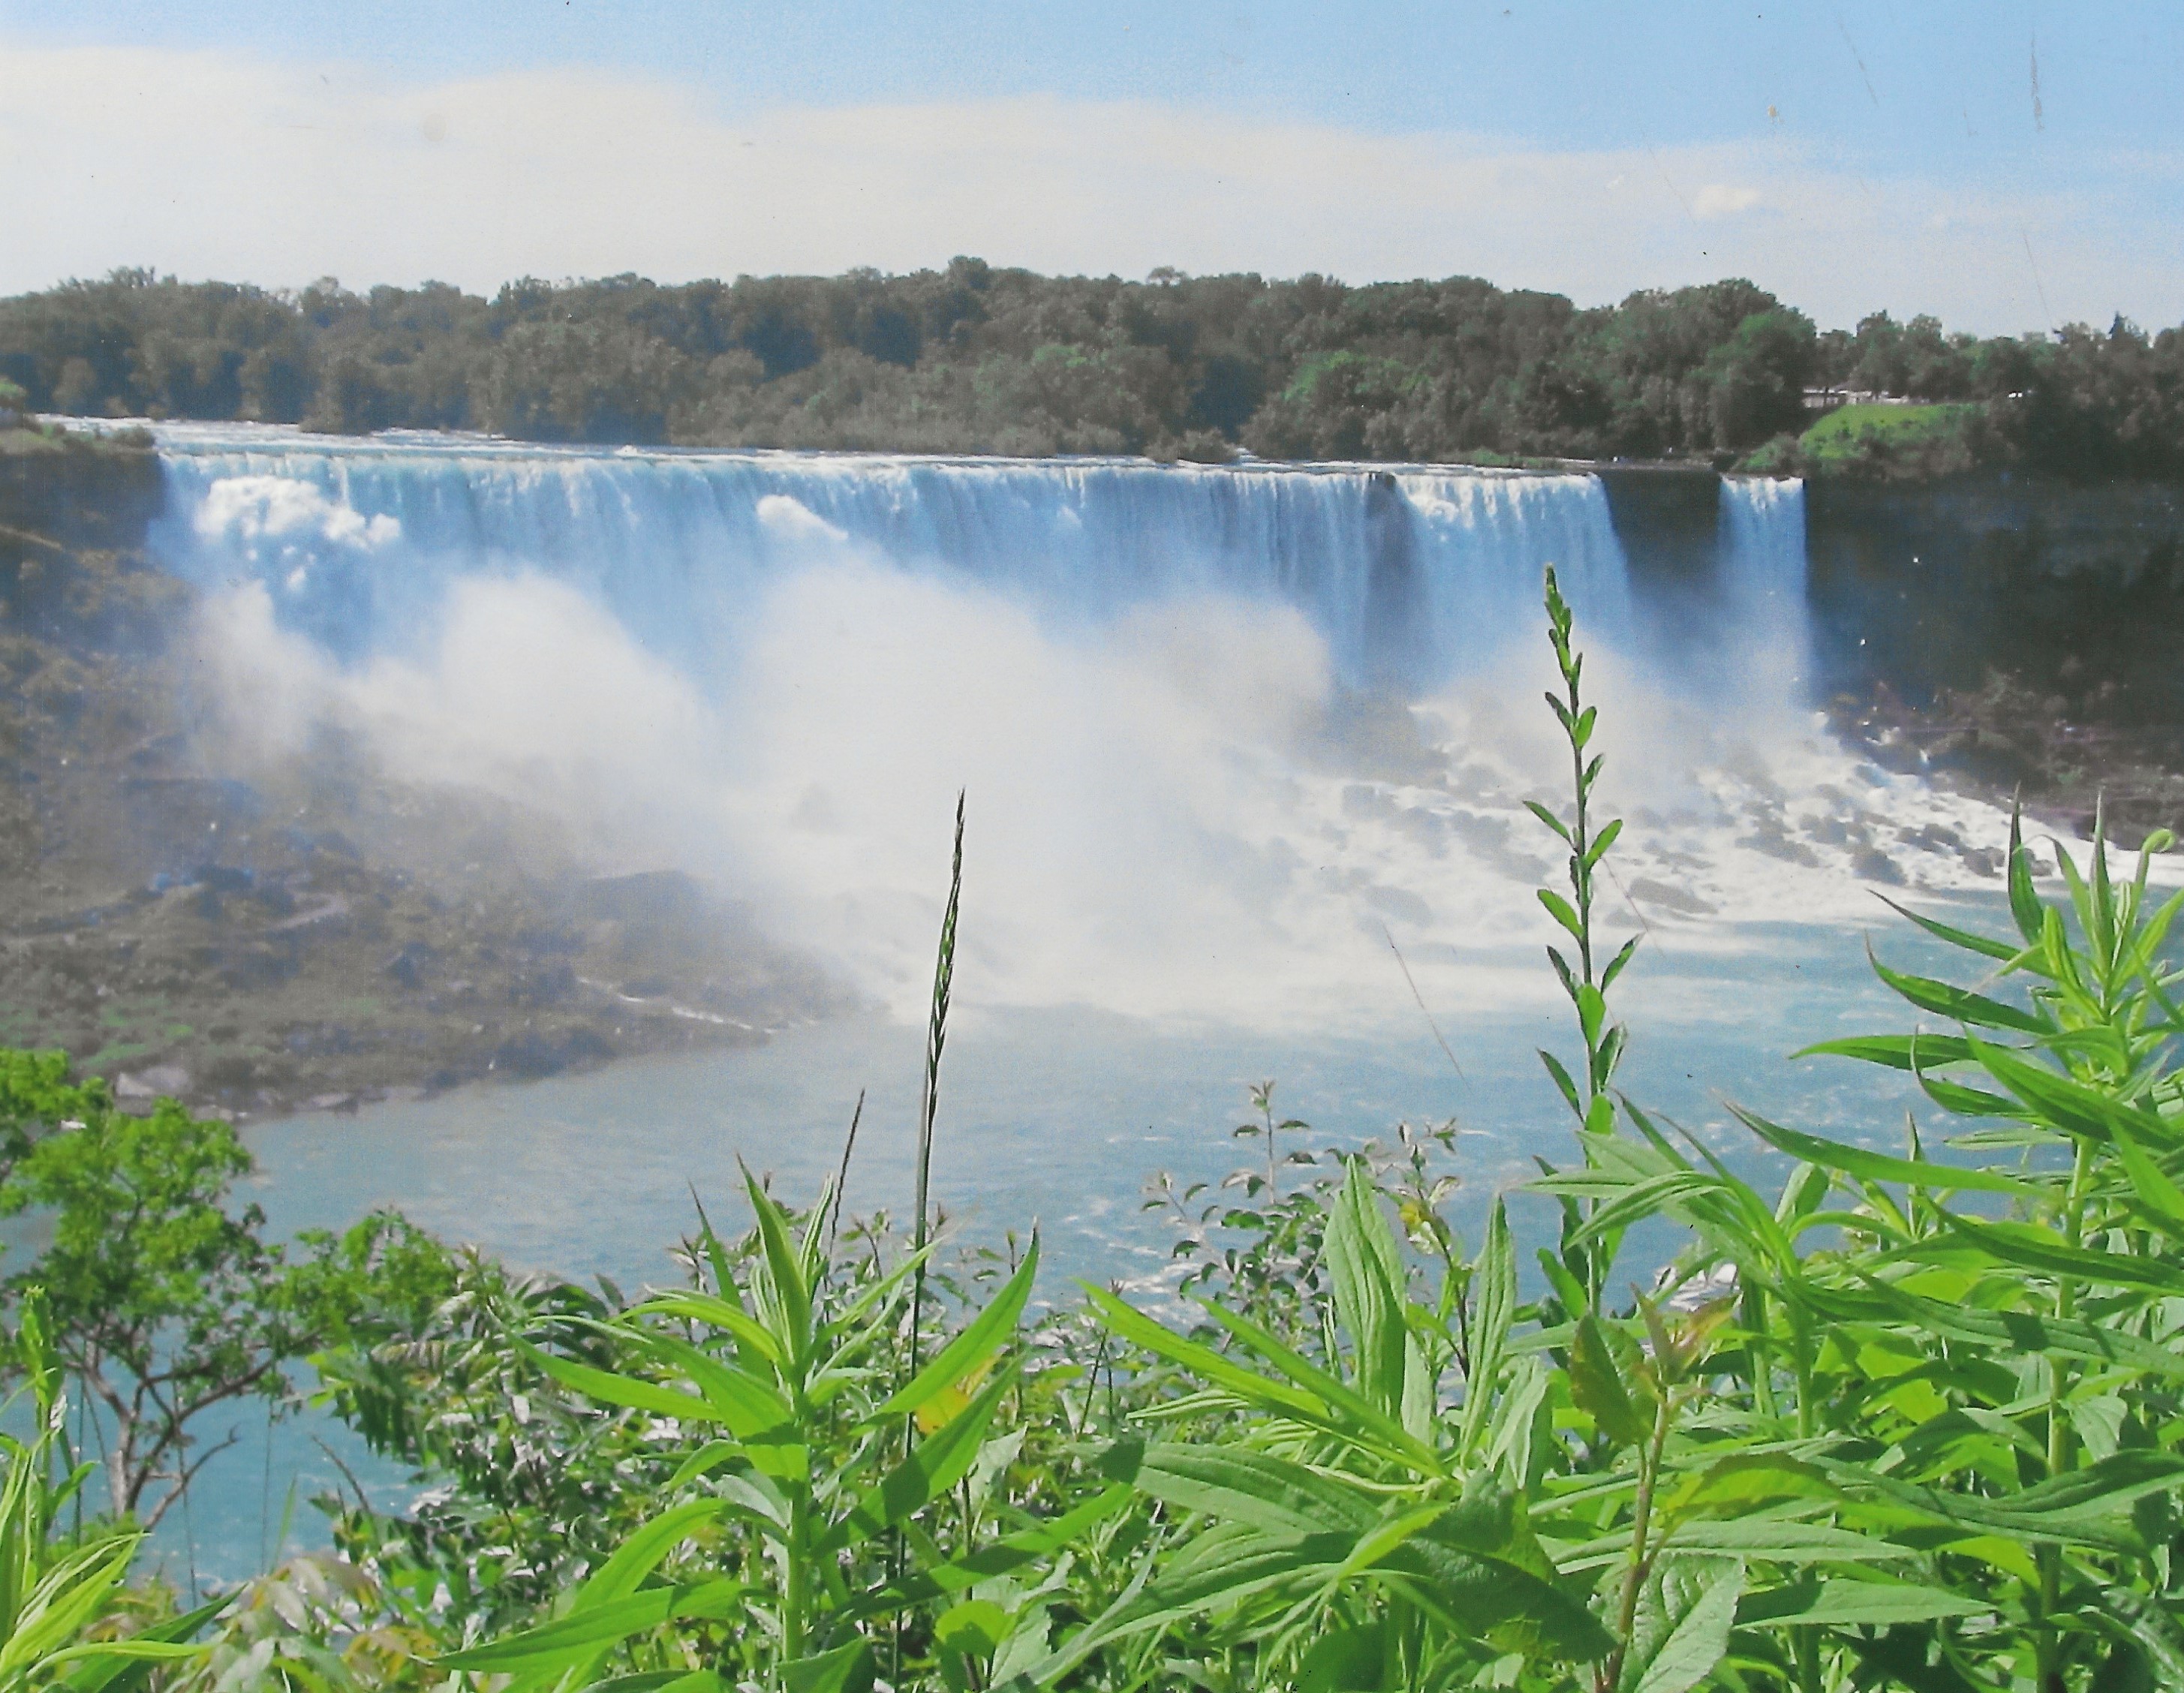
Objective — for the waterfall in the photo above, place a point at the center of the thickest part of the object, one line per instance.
(1761, 547)
(1411, 578)
(1227, 730)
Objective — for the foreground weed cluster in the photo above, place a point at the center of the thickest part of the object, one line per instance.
(1911, 1419)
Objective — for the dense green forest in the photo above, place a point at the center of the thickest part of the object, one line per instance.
(976, 358)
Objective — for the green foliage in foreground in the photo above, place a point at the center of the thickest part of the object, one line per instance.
(166, 1305)
(1907, 1418)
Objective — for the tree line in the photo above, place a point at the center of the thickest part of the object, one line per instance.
(977, 358)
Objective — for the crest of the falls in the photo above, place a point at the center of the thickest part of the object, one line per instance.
(1411, 578)
(1227, 732)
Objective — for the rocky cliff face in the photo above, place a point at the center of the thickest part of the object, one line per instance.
(78, 490)
(1922, 590)
(2073, 592)
(2012, 636)
(257, 939)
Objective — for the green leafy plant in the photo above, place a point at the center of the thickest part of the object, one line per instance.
(783, 1364)
(165, 1304)
(1578, 1269)
(525, 1485)
(57, 1599)
(1894, 1414)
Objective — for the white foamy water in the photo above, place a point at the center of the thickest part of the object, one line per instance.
(1225, 731)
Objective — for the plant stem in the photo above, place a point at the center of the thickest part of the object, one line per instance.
(796, 1597)
(1641, 1519)
(2048, 1643)
(1580, 874)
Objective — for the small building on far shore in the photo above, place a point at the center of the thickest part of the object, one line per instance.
(1827, 399)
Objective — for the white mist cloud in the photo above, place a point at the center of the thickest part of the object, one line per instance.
(1173, 808)
(217, 165)
(526, 691)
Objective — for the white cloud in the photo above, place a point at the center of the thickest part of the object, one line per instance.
(217, 165)
(1719, 200)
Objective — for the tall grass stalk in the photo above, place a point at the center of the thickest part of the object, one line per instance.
(928, 1102)
(842, 1176)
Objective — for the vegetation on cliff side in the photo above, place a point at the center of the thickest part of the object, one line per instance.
(976, 358)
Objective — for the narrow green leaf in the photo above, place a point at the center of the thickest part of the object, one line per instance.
(1227, 1564)
(1562, 911)
(750, 1407)
(643, 1553)
(2002, 1331)
(1874, 1604)
(1494, 1292)
(1768, 1539)
(1262, 1491)
(1591, 1012)
(2155, 1191)
(2025, 904)
(1355, 1418)
(1549, 818)
(128, 1675)
(573, 1639)
(1561, 1078)
(2027, 1246)
(1128, 1323)
(1945, 1000)
(1880, 1166)
(934, 1465)
(1986, 946)
(1365, 1264)
(716, 1313)
(2085, 1506)
(1893, 1050)
(784, 1267)
(1005, 1557)
(2066, 1104)
(981, 1338)
(614, 1389)
(1566, 1285)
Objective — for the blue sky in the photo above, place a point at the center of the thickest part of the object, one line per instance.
(2008, 166)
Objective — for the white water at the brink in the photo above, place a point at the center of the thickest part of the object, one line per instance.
(1762, 548)
(1226, 732)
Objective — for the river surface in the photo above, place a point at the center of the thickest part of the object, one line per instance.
(1233, 739)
